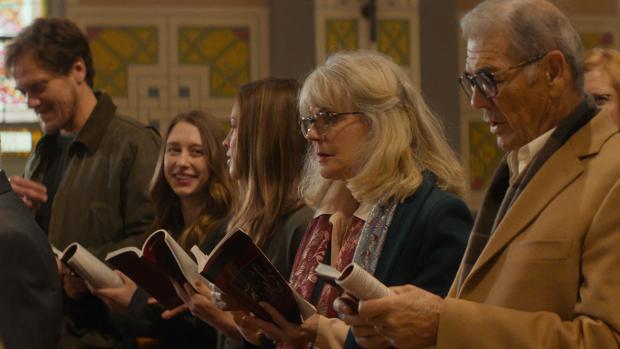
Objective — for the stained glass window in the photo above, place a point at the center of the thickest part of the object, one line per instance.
(14, 15)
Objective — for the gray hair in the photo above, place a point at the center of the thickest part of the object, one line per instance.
(533, 27)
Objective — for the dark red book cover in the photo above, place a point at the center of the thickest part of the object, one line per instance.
(241, 270)
(147, 276)
(151, 268)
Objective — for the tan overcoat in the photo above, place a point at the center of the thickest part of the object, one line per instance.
(549, 275)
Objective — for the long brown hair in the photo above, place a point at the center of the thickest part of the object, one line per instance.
(269, 157)
(217, 191)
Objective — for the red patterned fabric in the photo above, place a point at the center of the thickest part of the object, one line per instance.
(312, 251)
(349, 243)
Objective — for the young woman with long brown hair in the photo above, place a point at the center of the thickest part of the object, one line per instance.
(265, 153)
(192, 194)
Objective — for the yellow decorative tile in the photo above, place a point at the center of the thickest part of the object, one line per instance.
(393, 39)
(225, 50)
(115, 49)
(484, 155)
(341, 34)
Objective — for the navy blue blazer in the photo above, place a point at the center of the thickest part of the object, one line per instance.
(30, 295)
(425, 242)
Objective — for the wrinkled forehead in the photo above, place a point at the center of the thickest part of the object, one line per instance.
(487, 54)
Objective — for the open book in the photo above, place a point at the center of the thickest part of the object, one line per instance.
(160, 260)
(354, 280)
(87, 266)
(241, 271)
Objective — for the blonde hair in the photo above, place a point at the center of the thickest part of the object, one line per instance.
(269, 157)
(608, 60)
(405, 137)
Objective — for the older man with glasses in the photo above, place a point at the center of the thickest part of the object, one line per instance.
(540, 269)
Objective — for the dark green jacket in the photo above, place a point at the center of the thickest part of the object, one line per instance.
(102, 201)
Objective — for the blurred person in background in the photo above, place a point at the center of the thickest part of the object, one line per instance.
(602, 79)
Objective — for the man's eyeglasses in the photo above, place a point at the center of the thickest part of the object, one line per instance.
(322, 121)
(486, 82)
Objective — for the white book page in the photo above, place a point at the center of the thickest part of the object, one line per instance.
(132, 249)
(327, 271)
(56, 251)
(96, 273)
(201, 257)
(189, 268)
(306, 309)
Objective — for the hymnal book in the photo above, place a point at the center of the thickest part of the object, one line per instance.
(354, 280)
(82, 262)
(241, 271)
(160, 260)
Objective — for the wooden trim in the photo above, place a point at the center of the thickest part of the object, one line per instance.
(201, 3)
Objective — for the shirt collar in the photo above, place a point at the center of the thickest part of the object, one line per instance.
(518, 160)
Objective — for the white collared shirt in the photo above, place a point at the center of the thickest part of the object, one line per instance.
(518, 160)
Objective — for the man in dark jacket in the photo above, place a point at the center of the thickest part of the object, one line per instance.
(88, 176)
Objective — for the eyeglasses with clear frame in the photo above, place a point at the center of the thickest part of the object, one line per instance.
(486, 82)
(322, 121)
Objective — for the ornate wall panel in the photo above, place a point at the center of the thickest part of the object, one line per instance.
(341, 25)
(225, 50)
(394, 38)
(484, 155)
(160, 61)
(115, 49)
(341, 34)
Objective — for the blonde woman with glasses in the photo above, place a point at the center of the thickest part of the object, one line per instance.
(370, 129)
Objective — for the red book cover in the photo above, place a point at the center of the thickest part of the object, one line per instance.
(154, 266)
(241, 271)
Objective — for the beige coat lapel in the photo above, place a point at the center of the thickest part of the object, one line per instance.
(557, 173)
(562, 168)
